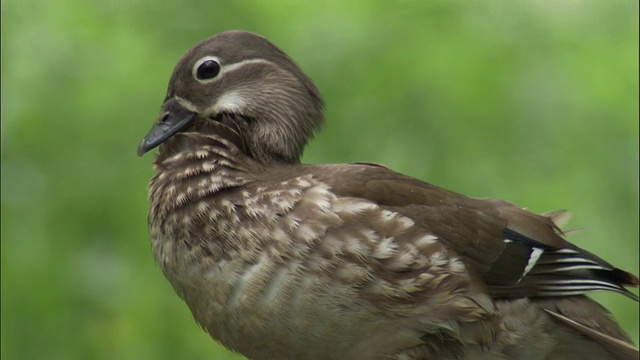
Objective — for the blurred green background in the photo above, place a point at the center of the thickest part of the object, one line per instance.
(535, 102)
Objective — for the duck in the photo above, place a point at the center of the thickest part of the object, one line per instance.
(277, 259)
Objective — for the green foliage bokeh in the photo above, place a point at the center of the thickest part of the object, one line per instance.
(535, 102)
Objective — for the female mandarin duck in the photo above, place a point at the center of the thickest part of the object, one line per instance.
(282, 260)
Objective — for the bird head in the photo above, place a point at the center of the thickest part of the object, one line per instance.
(239, 81)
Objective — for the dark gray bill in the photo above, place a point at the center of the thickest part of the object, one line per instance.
(171, 122)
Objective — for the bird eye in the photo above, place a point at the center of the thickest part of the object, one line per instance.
(208, 70)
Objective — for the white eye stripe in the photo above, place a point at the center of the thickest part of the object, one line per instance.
(223, 68)
(234, 66)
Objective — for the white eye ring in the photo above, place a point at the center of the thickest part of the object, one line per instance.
(206, 69)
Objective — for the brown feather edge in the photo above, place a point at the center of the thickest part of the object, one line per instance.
(618, 348)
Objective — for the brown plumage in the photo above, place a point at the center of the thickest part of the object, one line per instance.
(280, 260)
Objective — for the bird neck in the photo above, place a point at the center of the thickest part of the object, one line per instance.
(192, 166)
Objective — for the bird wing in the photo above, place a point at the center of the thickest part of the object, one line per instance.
(515, 252)
(507, 252)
